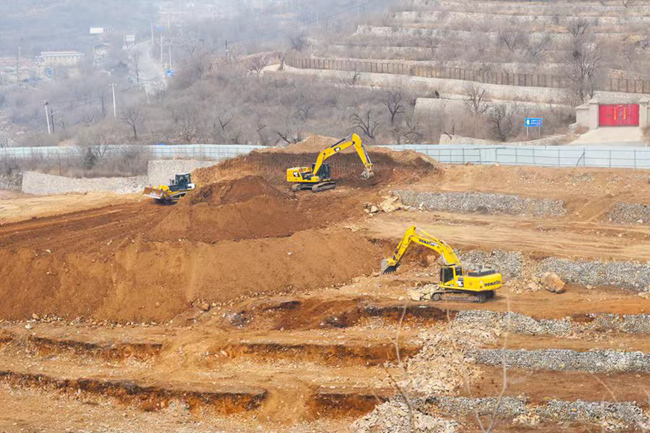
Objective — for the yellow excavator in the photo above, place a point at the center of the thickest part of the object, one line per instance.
(454, 279)
(317, 177)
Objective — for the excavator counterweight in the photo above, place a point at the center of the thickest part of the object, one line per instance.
(317, 178)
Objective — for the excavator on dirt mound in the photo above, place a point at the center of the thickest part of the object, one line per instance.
(168, 194)
(454, 279)
(317, 177)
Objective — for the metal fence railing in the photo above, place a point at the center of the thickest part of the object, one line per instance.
(612, 84)
(543, 156)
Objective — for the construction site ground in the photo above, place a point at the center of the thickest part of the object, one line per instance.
(246, 307)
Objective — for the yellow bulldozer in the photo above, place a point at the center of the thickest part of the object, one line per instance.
(317, 178)
(454, 279)
(169, 194)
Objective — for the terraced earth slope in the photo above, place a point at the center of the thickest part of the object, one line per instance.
(247, 307)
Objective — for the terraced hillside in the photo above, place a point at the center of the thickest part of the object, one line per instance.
(555, 54)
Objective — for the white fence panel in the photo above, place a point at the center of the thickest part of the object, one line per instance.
(548, 156)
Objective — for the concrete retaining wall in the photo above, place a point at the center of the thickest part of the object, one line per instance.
(160, 171)
(45, 184)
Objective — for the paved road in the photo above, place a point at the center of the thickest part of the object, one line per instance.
(152, 74)
(623, 136)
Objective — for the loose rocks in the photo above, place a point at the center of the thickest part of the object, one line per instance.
(630, 213)
(628, 275)
(474, 202)
(553, 283)
(606, 361)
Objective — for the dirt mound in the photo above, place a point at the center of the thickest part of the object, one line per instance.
(315, 143)
(246, 208)
(155, 281)
(261, 216)
(230, 191)
(271, 164)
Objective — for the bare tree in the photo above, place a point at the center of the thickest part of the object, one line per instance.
(393, 103)
(627, 3)
(298, 41)
(513, 40)
(352, 80)
(258, 63)
(132, 117)
(578, 28)
(501, 121)
(475, 99)
(582, 67)
(367, 124)
(187, 120)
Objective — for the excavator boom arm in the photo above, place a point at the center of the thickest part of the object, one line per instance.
(340, 146)
(425, 239)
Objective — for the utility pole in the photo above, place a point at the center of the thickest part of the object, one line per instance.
(47, 118)
(226, 46)
(18, 66)
(170, 58)
(114, 103)
(161, 49)
(152, 36)
(52, 120)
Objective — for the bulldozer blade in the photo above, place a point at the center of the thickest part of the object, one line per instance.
(387, 269)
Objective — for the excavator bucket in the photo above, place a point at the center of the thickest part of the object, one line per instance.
(386, 268)
(153, 193)
(367, 174)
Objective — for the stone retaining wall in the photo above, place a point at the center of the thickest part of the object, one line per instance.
(45, 184)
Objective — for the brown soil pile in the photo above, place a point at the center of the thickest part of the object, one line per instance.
(247, 208)
(272, 163)
(156, 281)
(229, 192)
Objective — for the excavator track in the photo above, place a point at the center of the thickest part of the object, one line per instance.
(323, 186)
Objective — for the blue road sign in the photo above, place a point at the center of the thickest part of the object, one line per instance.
(170, 73)
(533, 122)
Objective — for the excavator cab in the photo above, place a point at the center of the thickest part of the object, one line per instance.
(181, 182)
(318, 177)
(449, 274)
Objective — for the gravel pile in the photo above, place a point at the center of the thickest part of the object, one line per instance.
(630, 213)
(605, 361)
(475, 202)
(462, 406)
(514, 322)
(45, 184)
(610, 415)
(629, 275)
(508, 263)
(521, 324)
(392, 417)
(603, 412)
